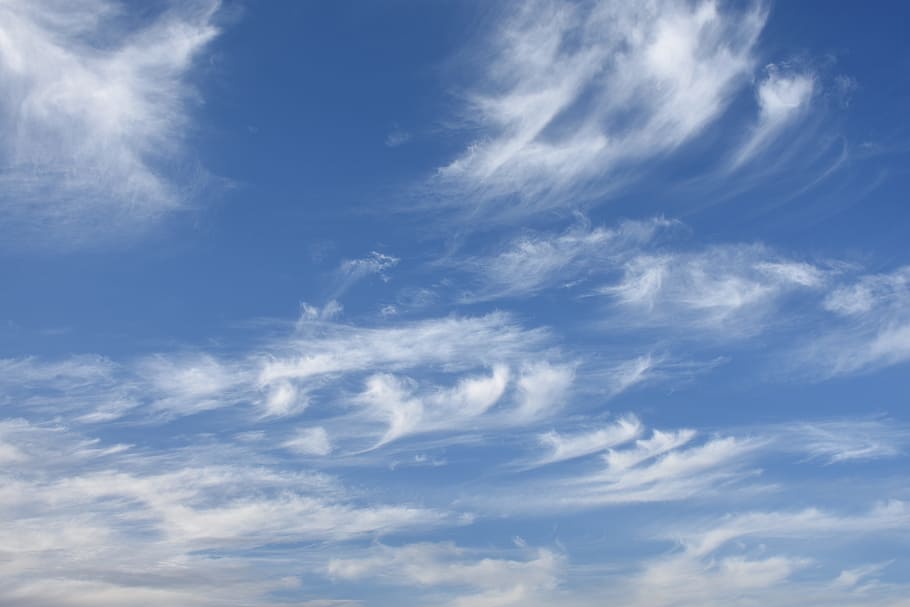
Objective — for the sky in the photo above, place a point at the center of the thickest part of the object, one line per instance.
(454, 304)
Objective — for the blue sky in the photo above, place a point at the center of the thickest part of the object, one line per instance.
(454, 304)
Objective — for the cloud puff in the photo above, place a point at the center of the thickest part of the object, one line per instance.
(94, 114)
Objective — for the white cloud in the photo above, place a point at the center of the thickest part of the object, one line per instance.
(389, 398)
(451, 344)
(848, 440)
(490, 581)
(488, 372)
(564, 447)
(631, 372)
(728, 557)
(284, 399)
(94, 114)
(576, 92)
(811, 522)
(731, 289)
(664, 467)
(543, 388)
(850, 578)
(353, 270)
(783, 97)
(187, 384)
(310, 441)
(408, 408)
(535, 262)
(645, 449)
(90, 523)
(870, 328)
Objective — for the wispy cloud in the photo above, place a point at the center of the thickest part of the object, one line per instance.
(869, 327)
(534, 262)
(354, 270)
(578, 93)
(478, 581)
(783, 96)
(731, 288)
(666, 466)
(636, 465)
(491, 373)
(94, 112)
(570, 446)
(104, 524)
(849, 440)
(731, 557)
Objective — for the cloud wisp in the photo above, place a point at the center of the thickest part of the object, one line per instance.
(578, 94)
(869, 327)
(90, 525)
(94, 111)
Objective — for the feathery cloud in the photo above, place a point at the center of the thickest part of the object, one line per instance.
(578, 93)
(94, 111)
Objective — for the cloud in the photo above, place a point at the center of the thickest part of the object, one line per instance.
(722, 291)
(573, 95)
(94, 110)
(565, 447)
(731, 289)
(847, 441)
(489, 372)
(708, 538)
(393, 400)
(783, 97)
(542, 388)
(534, 262)
(483, 402)
(310, 441)
(735, 556)
(869, 328)
(91, 523)
(664, 467)
(480, 582)
(637, 465)
(354, 270)
(186, 384)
